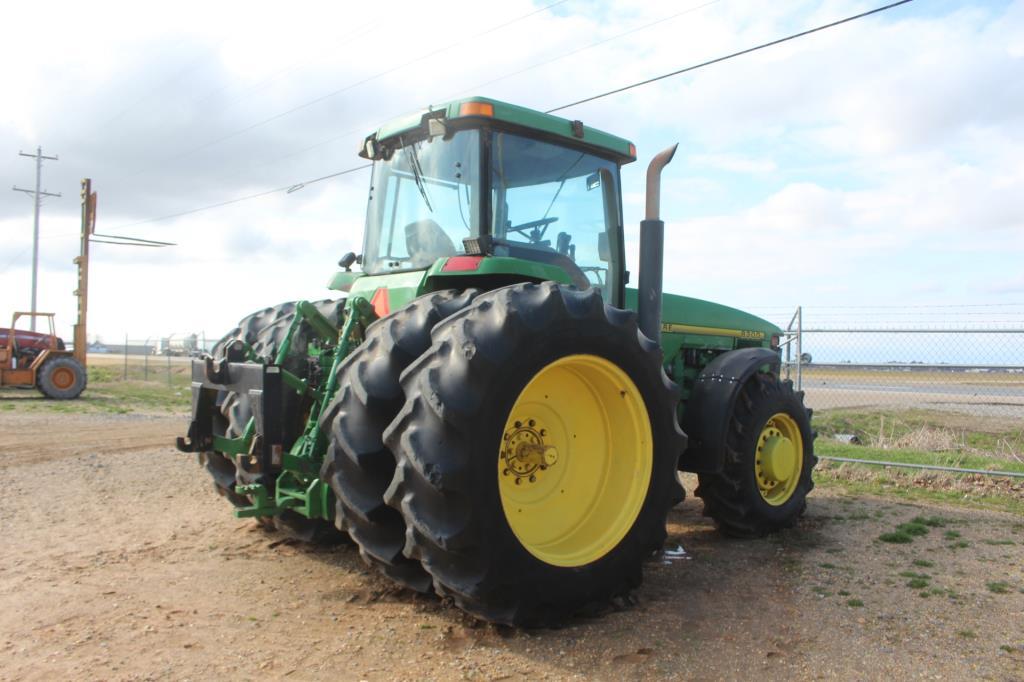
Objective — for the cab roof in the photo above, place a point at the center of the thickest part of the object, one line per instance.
(515, 116)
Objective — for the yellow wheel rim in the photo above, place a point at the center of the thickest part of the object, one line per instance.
(779, 459)
(575, 460)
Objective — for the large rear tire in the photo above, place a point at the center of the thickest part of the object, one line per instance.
(358, 466)
(536, 454)
(265, 330)
(769, 457)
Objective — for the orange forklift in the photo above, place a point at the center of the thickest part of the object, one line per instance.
(41, 360)
(33, 359)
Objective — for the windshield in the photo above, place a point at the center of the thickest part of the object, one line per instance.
(557, 205)
(423, 202)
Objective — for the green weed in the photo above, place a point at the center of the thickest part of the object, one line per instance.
(915, 529)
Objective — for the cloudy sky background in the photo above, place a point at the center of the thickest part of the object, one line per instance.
(876, 164)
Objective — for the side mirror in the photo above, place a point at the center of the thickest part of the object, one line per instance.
(347, 260)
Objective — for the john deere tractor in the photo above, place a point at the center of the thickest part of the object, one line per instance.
(490, 412)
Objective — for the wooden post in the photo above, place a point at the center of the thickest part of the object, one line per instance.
(82, 261)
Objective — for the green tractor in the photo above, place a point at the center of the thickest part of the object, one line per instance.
(491, 413)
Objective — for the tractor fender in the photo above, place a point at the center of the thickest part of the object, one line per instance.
(710, 407)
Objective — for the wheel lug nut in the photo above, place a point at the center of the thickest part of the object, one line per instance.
(532, 478)
(533, 423)
(519, 424)
(505, 472)
(518, 480)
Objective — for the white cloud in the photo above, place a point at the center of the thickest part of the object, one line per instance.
(735, 163)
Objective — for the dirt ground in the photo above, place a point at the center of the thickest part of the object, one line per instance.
(119, 562)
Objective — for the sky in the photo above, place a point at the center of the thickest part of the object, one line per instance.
(863, 172)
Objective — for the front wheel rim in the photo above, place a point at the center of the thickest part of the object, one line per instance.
(575, 460)
(63, 378)
(779, 460)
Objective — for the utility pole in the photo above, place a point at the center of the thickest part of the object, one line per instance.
(38, 156)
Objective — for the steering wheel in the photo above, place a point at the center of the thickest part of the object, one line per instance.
(535, 225)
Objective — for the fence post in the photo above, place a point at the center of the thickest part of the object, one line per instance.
(799, 348)
(125, 378)
(168, 369)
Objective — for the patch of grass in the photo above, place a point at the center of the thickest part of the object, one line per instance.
(897, 538)
(855, 603)
(924, 428)
(930, 521)
(960, 544)
(966, 634)
(951, 534)
(959, 460)
(105, 393)
(821, 591)
(912, 574)
(828, 566)
(1007, 648)
(917, 583)
(843, 593)
(999, 542)
(915, 529)
(998, 587)
(923, 563)
(832, 478)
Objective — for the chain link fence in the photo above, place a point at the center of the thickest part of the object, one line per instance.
(970, 368)
(163, 358)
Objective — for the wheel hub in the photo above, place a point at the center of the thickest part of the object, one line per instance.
(63, 378)
(778, 457)
(525, 453)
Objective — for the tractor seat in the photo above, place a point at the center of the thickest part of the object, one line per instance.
(426, 241)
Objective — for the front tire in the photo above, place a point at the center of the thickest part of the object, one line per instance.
(769, 457)
(534, 376)
(61, 377)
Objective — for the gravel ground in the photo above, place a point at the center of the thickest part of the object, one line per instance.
(119, 562)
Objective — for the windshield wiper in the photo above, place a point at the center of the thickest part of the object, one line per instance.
(417, 174)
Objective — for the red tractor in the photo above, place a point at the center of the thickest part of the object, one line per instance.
(30, 358)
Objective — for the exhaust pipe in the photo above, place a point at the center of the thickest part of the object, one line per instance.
(652, 251)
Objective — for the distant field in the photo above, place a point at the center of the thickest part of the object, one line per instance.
(870, 375)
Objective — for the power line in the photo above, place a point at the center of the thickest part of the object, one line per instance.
(286, 188)
(590, 46)
(730, 56)
(293, 187)
(350, 86)
(362, 127)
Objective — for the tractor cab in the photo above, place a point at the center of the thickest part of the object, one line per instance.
(484, 178)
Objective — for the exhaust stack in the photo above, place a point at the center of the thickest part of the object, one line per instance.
(652, 251)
